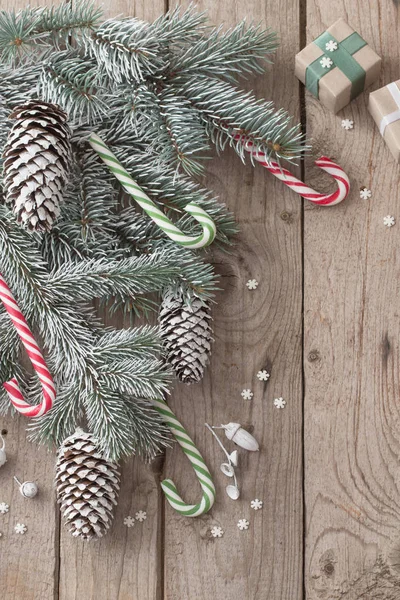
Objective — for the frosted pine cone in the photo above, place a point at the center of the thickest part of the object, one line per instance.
(87, 486)
(187, 335)
(36, 163)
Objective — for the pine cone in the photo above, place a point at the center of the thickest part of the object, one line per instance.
(87, 486)
(187, 334)
(36, 163)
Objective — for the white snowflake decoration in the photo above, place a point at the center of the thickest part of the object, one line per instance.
(347, 124)
(365, 194)
(4, 508)
(252, 284)
(129, 521)
(247, 394)
(256, 504)
(331, 46)
(326, 62)
(243, 524)
(263, 375)
(217, 531)
(389, 221)
(279, 402)
(141, 516)
(20, 528)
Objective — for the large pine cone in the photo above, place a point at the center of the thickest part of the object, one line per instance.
(87, 486)
(187, 334)
(37, 156)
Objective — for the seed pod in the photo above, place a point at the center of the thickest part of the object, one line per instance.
(233, 457)
(3, 455)
(227, 469)
(241, 437)
(232, 491)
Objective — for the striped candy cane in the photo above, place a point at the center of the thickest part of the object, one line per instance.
(202, 472)
(326, 164)
(130, 186)
(35, 356)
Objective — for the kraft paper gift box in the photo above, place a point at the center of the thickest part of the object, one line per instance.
(337, 66)
(384, 106)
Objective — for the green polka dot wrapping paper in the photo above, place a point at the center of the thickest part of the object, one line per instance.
(337, 66)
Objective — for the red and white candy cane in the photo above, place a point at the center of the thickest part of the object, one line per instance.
(36, 358)
(326, 164)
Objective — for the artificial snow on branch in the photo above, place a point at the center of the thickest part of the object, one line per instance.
(160, 95)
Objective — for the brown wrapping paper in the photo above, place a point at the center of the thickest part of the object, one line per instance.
(381, 103)
(335, 87)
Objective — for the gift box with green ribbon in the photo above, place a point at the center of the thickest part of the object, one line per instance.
(337, 66)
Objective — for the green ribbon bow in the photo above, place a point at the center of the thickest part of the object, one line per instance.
(341, 58)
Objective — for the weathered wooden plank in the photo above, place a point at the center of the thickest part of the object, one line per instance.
(351, 415)
(28, 562)
(127, 564)
(252, 330)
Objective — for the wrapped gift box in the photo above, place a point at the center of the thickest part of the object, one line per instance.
(337, 66)
(384, 106)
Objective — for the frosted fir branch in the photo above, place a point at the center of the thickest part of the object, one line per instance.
(20, 262)
(135, 377)
(19, 35)
(89, 219)
(181, 131)
(120, 425)
(74, 83)
(132, 344)
(228, 54)
(91, 279)
(18, 84)
(174, 191)
(33, 30)
(231, 114)
(135, 107)
(179, 27)
(65, 329)
(64, 417)
(60, 22)
(150, 435)
(126, 49)
(131, 50)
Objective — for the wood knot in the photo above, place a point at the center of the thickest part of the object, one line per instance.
(329, 569)
(286, 216)
(313, 356)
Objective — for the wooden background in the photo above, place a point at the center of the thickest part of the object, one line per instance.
(325, 319)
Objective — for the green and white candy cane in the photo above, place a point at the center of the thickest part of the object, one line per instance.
(194, 456)
(130, 186)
